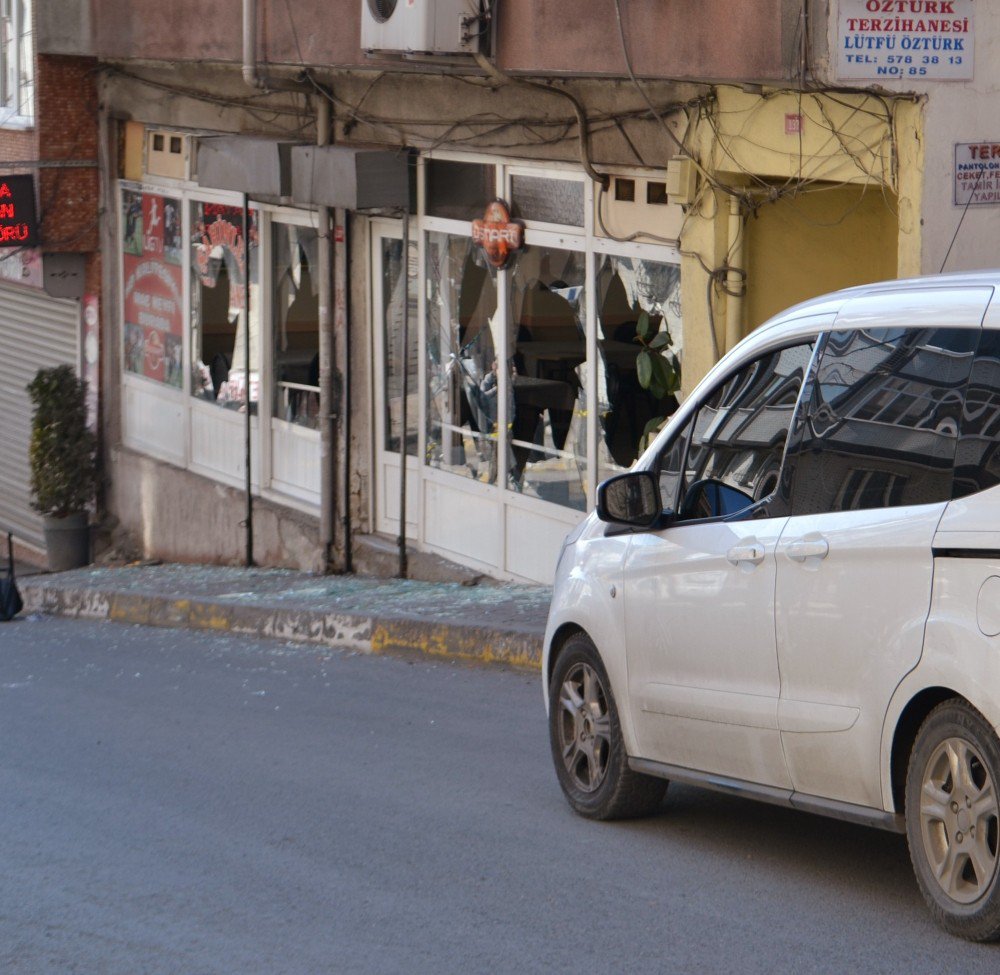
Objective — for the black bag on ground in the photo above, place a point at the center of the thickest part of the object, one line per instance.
(10, 599)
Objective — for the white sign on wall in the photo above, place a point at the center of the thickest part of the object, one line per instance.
(914, 40)
(23, 266)
(977, 173)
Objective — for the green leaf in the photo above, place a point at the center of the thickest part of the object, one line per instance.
(675, 374)
(642, 326)
(644, 368)
(662, 371)
(660, 340)
(650, 430)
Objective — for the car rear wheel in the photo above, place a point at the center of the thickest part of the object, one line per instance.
(952, 820)
(586, 738)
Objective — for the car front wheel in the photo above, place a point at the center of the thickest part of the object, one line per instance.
(952, 820)
(587, 746)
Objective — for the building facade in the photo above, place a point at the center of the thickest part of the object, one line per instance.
(50, 283)
(311, 358)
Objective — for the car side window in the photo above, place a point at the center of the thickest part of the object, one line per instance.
(727, 460)
(882, 419)
(670, 467)
(977, 457)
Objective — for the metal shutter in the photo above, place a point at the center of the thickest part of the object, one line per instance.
(36, 331)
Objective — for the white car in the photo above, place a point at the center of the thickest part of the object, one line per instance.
(795, 593)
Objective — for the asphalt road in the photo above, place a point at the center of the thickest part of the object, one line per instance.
(188, 803)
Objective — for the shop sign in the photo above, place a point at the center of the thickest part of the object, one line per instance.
(153, 297)
(22, 267)
(498, 235)
(977, 174)
(927, 40)
(18, 225)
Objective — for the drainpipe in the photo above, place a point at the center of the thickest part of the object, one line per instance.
(735, 286)
(404, 419)
(250, 74)
(327, 407)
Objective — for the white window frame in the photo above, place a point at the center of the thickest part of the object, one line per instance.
(176, 446)
(582, 239)
(17, 64)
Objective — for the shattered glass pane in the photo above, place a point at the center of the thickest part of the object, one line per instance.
(462, 393)
(626, 287)
(547, 435)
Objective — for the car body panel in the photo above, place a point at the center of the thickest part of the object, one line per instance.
(833, 653)
(587, 597)
(703, 669)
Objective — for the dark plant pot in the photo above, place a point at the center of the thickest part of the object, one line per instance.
(67, 541)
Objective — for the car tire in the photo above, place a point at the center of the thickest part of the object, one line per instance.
(953, 817)
(586, 737)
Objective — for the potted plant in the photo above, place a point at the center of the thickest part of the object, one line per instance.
(62, 455)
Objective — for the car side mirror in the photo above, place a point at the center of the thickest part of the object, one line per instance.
(630, 499)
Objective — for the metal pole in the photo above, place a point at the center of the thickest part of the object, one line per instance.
(327, 454)
(342, 289)
(248, 522)
(405, 342)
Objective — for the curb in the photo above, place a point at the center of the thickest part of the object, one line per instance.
(358, 632)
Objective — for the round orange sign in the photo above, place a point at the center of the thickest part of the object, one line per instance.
(497, 234)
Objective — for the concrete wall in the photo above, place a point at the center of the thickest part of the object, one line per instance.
(150, 500)
(818, 242)
(819, 208)
(711, 39)
(359, 406)
(63, 27)
(445, 111)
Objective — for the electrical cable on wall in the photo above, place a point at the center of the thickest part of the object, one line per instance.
(581, 114)
(961, 219)
(873, 157)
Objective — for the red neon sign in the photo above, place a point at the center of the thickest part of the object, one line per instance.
(18, 225)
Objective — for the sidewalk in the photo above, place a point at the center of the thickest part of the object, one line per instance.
(486, 623)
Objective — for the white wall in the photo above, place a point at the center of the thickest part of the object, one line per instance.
(954, 112)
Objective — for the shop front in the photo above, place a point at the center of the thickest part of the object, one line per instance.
(521, 373)
(220, 315)
(522, 382)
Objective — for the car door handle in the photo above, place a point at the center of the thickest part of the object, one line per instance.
(808, 548)
(752, 552)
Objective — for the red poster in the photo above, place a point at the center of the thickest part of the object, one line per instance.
(153, 310)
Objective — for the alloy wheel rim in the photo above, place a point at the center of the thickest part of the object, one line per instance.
(584, 727)
(959, 818)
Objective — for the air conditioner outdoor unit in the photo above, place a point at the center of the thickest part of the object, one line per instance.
(422, 26)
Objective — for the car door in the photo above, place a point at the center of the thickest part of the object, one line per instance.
(870, 466)
(699, 594)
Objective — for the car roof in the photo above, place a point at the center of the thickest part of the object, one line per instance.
(830, 304)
